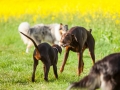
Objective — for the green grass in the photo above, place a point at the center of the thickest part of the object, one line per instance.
(16, 65)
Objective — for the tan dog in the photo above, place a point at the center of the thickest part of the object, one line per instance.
(77, 39)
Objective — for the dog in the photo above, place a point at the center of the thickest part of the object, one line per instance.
(48, 55)
(105, 74)
(49, 33)
(77, 39)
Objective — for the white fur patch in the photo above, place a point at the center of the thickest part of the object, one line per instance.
(105, 85)
(24, 27)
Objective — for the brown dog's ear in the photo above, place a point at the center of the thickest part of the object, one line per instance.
(74, 37)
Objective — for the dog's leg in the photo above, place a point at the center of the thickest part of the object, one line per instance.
(46, 71)
(65, 59)
(92, 55)
(28, 46)
(91, 47)
(34, 69)
(80, 63)
(55, 71)
(83, 49)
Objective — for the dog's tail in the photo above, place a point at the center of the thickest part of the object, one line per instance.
(90, 30)
(84, 83)
(31, 40)
(24, 27)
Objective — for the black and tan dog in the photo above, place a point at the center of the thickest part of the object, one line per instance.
(48, 55)
(77, 39)
(105, 74)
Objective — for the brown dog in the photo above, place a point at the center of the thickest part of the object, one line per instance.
(105, 74)
(77, 39)
(48, 55)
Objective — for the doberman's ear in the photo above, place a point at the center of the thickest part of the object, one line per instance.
(74, 37)
(59, 49)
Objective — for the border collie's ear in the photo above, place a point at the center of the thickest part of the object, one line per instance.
(66, 27)
(74, 37)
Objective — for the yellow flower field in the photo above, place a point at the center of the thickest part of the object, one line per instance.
(16, 8)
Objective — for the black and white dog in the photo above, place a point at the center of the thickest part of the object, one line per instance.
(50, 33)
(105, 74)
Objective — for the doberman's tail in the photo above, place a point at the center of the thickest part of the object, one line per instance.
(31, 40)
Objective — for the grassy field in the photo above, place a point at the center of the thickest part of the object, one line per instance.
(16, 65)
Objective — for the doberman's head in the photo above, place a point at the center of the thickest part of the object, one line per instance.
(67, 39)
(59, 49)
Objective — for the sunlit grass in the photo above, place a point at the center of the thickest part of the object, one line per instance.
(16, 65)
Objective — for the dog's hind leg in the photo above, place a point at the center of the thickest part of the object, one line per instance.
(47, 64)
(91, 47)
(80, 63)
(55, 71)
(28, 46)
(34, 69)
(92, 55)
(46, 71)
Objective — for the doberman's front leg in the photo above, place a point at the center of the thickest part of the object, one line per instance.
(65, 59)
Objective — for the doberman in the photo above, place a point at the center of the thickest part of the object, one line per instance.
(77, 39)
(48, 55)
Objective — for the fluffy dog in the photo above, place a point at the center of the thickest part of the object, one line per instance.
(48, 55)
(105, 74)
(50, 33)
(77, 39)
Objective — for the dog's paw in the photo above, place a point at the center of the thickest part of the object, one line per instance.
(33, 80)
(61, 70)
(46, 79)
(79, 71)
